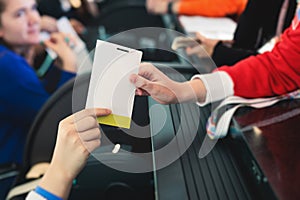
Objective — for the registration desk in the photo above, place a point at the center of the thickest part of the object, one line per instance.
(270, 138)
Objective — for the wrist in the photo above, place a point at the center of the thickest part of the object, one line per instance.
(199, 89)
(191, 91)
(69, 66)
(60, 168)
(46, 194)
(57, 181)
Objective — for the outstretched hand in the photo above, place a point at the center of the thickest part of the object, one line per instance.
(152, 82)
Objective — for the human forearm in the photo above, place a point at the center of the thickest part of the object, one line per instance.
(191, 91)
(56, 182)
(205, 88)
(69, 65)
(228, 55)
(217, 86)
(269, 74)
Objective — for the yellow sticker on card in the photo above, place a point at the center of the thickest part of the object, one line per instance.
(115, 120)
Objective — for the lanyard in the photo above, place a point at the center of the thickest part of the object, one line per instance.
(219, 122)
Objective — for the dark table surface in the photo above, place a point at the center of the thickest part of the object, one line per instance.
(273, 137)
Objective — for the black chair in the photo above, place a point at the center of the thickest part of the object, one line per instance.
(42, 135)
(8, 173)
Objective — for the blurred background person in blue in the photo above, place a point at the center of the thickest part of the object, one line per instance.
(22, 92)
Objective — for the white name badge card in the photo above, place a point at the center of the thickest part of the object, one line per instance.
(109, 85)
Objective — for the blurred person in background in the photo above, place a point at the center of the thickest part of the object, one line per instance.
(260, 24)
(208, 8)
(22, 92)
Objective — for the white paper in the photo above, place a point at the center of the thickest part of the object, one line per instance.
(221, 28)
(268, 46)
(64, 26)
(82, 54)
(109, 85)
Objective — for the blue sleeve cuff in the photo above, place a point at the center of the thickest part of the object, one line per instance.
(46, 194)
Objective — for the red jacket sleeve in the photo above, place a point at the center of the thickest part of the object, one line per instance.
(269, 74)
(209, 8)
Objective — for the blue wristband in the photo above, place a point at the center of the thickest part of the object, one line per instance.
(46, 194)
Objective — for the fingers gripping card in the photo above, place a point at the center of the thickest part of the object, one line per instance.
(109, 85)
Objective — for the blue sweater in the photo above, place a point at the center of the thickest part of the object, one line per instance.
(22, 94)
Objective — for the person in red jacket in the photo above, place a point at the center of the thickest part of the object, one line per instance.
(269, 74)
(208, 8)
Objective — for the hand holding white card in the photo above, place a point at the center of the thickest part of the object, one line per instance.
(109, 85)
